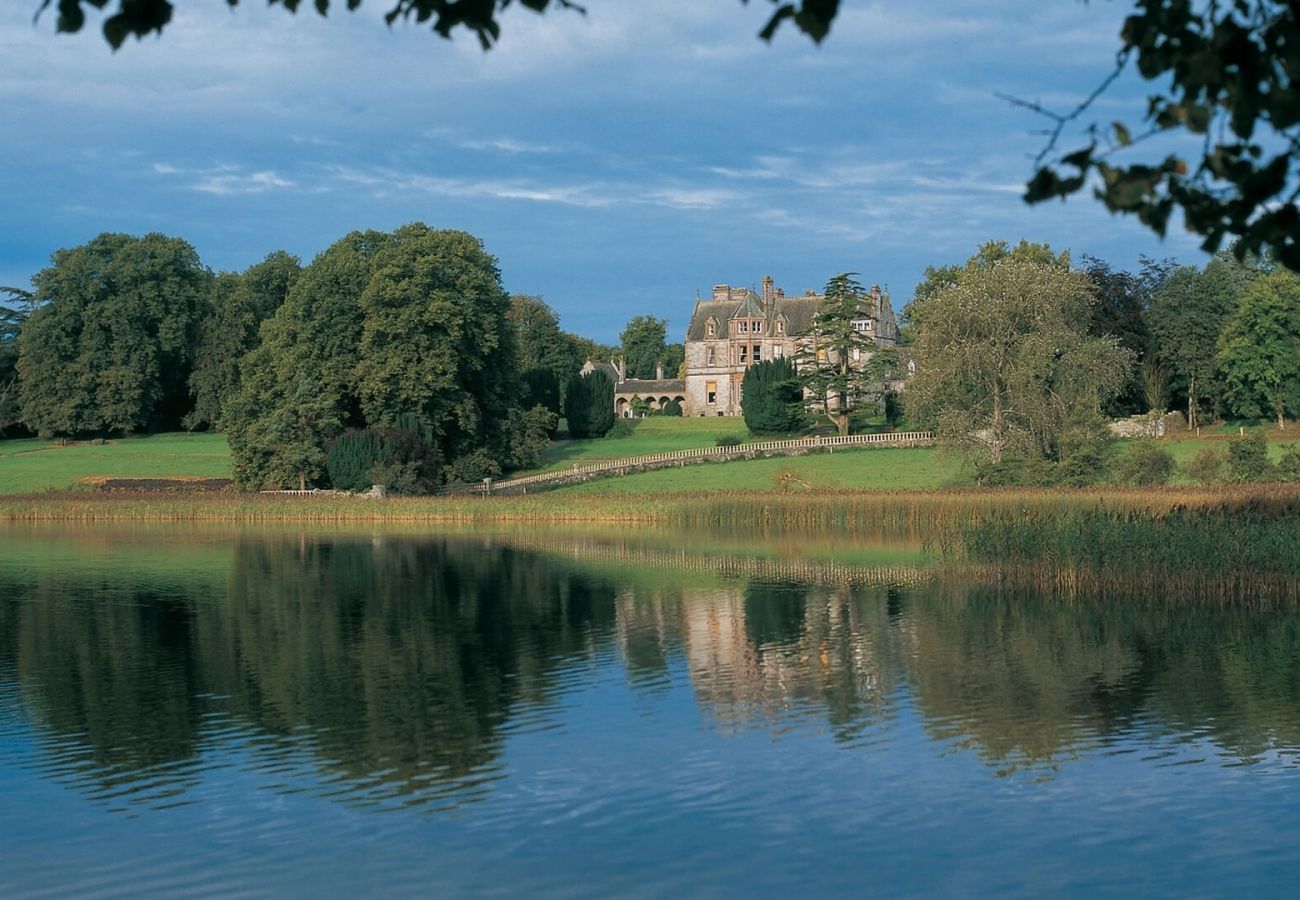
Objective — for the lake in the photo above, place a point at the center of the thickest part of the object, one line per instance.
(554, 713)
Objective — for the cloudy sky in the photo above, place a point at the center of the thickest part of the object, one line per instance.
(615, 164)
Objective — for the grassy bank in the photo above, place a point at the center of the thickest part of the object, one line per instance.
(39, 465)
(744, 511)
(1237, 543)
(32, 466)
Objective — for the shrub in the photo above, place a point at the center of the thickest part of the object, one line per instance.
(1248, 459)
(1208, 466)
(1288, 467)
(726, 440)
(1084, 467)
(622, 428)
(473, 468)
(401, 458)
(354, 457)
(1144, 464)
(893, 409)
(1016, 471)
(672, 408)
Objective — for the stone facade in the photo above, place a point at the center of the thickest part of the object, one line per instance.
(654, 392)
(737, 327)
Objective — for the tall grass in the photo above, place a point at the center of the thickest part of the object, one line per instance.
(1241, 541)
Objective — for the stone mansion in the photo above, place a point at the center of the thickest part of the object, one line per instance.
(731, 331)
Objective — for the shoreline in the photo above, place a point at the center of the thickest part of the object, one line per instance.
(816, 508)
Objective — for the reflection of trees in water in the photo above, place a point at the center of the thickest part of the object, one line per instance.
(399, 660)
(401, 656)
(399, 666)
(1030, 681)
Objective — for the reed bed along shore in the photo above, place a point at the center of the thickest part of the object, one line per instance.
(926, 514)
(1235, 543)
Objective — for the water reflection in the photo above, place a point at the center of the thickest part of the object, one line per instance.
(393, 670)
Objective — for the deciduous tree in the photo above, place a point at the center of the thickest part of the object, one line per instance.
(1186, 315)
(111, 347)
(1259, 349)
(1004, 362)
(642, 345)
(239, 305)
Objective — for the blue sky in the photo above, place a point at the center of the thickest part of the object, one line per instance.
(615, 164)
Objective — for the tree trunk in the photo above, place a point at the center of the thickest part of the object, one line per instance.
(302, 481)
(1191, 403)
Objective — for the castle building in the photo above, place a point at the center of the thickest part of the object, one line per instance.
(730, 332)
(737, 328)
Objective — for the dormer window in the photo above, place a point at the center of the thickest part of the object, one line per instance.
(780, 326)
(711, 328)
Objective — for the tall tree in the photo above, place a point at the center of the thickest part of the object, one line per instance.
(835, 352)
(1186, 316)
(1259, 349)
(642, 345)
(240, 303)
(315, 333)
(1004, 362)
(435, 341)
(1119, 310)
(111, 347)
(12, 316)
(387, 327)
(589, 405)
(547, 357)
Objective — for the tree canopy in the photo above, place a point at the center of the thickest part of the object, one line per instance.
(1222, 74)
(1259, 349)
(834, 355)
(482, 18)
(1004, 361)
(383, 327)
(642, 345)
(111, 346)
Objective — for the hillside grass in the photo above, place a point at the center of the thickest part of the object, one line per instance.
(657, 434)
(32, 465)
(856, 469)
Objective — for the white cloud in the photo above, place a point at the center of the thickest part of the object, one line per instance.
(226, 180)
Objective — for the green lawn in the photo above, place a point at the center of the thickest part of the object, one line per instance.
(657, 434)
(872, 468)
(38, 465)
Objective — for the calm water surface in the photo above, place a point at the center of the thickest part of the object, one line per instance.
(316, 714)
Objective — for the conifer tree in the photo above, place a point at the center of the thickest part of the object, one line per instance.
(589, 405)
(773, 398)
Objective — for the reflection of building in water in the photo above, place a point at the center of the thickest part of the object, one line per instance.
(760, 652)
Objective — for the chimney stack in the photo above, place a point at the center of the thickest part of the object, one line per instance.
(622, 368)
(659, 371)
(721, 292)
(769, 289)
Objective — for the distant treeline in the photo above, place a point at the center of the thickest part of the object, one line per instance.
(407, 334)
